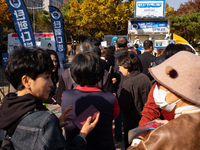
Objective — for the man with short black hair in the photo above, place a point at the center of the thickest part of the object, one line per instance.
(118, 78)
(138, 52)
(146, 58)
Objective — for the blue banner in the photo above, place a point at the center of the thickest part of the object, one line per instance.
(21, 22)
(58, 30)
(149, 26)
(4, 59)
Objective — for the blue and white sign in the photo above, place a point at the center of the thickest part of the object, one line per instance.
(148, 26)
(58, 30)
(149, 8)
(4, 59)
(172, 41)
(21, 22)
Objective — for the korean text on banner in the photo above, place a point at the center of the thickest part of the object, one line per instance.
(21, 22)
(149, 8)
(58, 30)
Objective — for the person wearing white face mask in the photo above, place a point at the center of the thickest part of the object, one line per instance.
(160, 95)
(151, 110)
(177, 89)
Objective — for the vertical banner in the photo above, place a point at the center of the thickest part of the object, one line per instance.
(58, 30)
(4, 59)
(21, 22)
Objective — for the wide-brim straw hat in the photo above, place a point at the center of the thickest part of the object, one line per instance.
(181, 75)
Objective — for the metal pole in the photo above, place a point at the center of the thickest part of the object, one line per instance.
(33, 8)
(34, 20)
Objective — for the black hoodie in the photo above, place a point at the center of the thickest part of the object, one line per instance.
(14, 107)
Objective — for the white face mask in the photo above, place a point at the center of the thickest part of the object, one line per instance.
(159, 97)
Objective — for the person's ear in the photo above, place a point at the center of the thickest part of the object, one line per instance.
(26, 81)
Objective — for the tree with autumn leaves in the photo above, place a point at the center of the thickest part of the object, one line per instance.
(186, 20)
(6, 18)
(98, 17)
(109, 17)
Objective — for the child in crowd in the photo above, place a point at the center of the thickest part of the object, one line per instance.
(29, 71)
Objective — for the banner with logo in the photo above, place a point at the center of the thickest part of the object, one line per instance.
(21, 22)
(148, 26)
(58, 30)
(149, 8)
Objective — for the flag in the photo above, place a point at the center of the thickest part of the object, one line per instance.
(58, 30)
(21, 22)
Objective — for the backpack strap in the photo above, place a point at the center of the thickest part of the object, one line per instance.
(12, 128)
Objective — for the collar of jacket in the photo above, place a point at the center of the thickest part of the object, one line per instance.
(133, 73)
(88, 88)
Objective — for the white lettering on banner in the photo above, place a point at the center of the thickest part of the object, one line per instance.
(158, 29)
(23, 36)
(58, 31)
(57, 24)
(28, 44)
(22, 25)
(59, 39)
(60, 47)
(19, 14)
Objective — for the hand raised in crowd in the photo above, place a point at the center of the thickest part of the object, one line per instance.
(64, 116)
(114, 80)
(89, 125)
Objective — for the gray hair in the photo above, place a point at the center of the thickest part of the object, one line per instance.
(86, 46)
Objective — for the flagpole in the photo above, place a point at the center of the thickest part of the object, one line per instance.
(33, 8)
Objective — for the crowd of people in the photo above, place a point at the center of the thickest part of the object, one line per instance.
(125, 86)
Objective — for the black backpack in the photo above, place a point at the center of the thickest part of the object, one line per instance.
(6, 143)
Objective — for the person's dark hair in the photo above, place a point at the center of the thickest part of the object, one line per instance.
(86, 69)
(97, 51)
(93, 40)
(128, 60)
(136, 45)
(86, 46)
(54, 75)
(147, 44)
(121, 42)
(172, 49)
(110, 50)
(30, 62)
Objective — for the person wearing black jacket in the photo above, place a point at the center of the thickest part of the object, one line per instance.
(138, 52)
(146, 58)
(29, 72)
(117, 78)
(134, 92)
